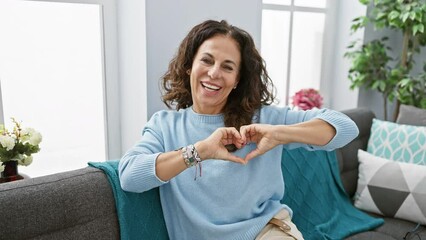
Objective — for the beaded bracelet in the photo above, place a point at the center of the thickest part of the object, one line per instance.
(191, 158)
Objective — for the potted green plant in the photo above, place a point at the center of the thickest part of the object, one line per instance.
(371, 62)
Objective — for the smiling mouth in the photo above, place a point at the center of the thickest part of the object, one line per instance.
(210, 87)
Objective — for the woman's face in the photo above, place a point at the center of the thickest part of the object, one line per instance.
(214, 74)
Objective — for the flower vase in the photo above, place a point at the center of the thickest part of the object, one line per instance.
(10, 172)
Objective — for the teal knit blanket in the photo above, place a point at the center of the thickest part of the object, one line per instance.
(139, 214)
(315, 193)
(313, 190)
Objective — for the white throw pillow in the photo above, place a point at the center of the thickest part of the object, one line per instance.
(392, 189)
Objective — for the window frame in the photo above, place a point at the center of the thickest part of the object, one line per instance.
(110, 84)
(328, 41)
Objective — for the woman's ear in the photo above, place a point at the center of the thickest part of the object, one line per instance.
(236, 84)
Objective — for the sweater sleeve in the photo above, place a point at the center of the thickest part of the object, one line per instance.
(346, 129)
(136, 168)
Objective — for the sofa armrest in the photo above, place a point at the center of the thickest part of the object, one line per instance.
(347, 156)
(76, 204)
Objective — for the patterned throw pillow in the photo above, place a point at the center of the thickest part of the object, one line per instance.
(393, 189)
(398, 142)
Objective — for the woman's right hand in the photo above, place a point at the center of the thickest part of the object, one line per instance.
(213, 147)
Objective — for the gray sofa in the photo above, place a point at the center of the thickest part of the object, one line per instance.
(348, 163)
(80, 204)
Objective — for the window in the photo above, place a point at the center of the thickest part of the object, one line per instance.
(53, 78)
(291, 44)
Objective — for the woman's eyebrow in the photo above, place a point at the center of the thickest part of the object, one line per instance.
(226, 61)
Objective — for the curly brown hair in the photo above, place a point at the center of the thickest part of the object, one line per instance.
(254, 89)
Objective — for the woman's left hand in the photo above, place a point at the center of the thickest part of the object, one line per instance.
(264, 135)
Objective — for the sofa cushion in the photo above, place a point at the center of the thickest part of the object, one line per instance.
(347, 156)
(398, 142)
(411, 115)
(397, 229)
(389, 188)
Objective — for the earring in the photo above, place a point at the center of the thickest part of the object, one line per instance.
(188, 71)
(235, 87)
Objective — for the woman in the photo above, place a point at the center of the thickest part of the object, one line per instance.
(224, 134)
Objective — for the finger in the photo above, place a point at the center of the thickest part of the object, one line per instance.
(235, 137)
(243, 130)
(247, 132)
(234, 158)
(256, 152)
(229, 136)
(234, 133)
(238, 143)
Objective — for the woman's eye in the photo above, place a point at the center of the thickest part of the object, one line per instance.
(206, 60)
(229, 68)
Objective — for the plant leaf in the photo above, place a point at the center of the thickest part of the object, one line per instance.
(405, 16)
(412, 15)
(393, 15)
(381, 15)
(382, 86)
(404, 82)
(421, 27)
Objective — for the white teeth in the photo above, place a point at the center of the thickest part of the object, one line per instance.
(211, 87)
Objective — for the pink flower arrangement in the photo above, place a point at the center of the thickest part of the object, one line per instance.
(307, 98)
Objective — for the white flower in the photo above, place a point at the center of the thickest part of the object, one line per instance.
(35, 138)
(30, 135)
(26, 161)
(19, 144)
(26, 134)
(7, 142)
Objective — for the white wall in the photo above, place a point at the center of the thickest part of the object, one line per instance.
(131, 25)
(341, 97)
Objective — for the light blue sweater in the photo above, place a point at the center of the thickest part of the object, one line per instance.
(230, 200)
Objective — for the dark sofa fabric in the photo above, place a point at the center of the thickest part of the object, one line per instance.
(70, 205)
(80, 204)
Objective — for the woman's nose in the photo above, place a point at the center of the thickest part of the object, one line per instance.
(214, 72)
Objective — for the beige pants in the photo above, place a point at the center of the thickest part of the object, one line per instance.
(287, 231)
